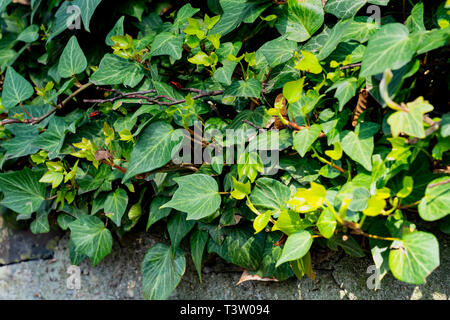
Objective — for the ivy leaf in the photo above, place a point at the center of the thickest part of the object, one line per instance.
(117, 30)
(156, 213)
(87, 8)
(240, 247)
(40, 224)
(233, 14)
(161, 271)
(115, 70)
(154, 148)
(327, 223)
(249, 164)
(414, 257)
(3, 4)
(166, 43)
(52, 139)
(415, 20)
(261, 221)
(389, 48)
(178, 228)
(16, 89)
(309, 63)
(278, 51)
(198, 241)
(304, 139)
(197, 195)
(245, 89)
(270, 194)
(435, 204)
(91, 238)
(304, 18)
(293, 90)
(297, 245)
(30, 34)
(115, 205)
(410, 121)
(359, 146)
(22, 191)
(344, 9)
(72, 60)
(345, 90)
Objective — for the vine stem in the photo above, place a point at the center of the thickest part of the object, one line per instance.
(37, 120)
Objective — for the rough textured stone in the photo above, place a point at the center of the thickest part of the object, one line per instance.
(119, 277)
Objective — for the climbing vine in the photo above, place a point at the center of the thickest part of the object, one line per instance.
(254, 130)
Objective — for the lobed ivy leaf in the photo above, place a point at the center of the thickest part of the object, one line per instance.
(22, 191)
(154, 148)
(197, 195)
(16, 89)
(91, 238)
(115, 205)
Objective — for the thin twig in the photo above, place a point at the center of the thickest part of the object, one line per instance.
(37, 120)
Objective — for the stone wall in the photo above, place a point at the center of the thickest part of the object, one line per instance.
(35, 267)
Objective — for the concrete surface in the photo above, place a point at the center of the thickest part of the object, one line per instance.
(36, 267)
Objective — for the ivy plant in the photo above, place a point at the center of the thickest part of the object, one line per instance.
(253, 130)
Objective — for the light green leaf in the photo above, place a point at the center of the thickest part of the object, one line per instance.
(304, 139)
(91, 238)
(115, 205)
(261, 221)
(16, 89)
(297, 245)
(154, 148)
(161, 271)
(249, 164)
(414, 257)
(327, 223)
(53, 177)
(435, 204)
(391, 47)
(293, 90)
(22, 191)
(410, 121)
(197, 195)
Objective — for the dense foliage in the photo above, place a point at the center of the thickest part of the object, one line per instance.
(339, 109)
